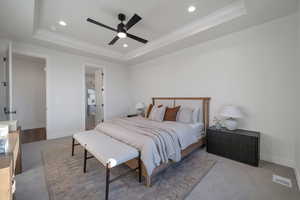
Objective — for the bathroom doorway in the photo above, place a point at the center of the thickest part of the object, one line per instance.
(94, 90)
(29, 105)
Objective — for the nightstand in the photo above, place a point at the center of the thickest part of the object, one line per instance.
(240, 145)
(132, 115)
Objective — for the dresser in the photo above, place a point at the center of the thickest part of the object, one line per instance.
(10, 165)
(240, 145)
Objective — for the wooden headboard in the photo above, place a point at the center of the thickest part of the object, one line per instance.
(202, 100)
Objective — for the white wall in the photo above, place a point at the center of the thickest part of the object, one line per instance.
(297, 133)
(29, 91)
(65, 89)
(254, 69)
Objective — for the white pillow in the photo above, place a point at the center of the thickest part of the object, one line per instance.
(157, 114)
(185, 115)
(196, 113)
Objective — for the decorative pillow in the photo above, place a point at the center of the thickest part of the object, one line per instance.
(157, 113)
(147, 114)
(171, 113)
(185, 115)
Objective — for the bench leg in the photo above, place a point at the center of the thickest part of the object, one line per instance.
(73, 144)
(107, 181)
(140, 168)
(84, 161)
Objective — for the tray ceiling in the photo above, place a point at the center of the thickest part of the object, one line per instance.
(166, 23)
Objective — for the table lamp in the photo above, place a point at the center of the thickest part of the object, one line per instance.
(140, 108)
(231, 113)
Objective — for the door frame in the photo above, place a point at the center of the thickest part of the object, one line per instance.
(10, 82)
(36, 55)
(84, 91)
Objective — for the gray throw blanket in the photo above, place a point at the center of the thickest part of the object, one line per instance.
(158, 142)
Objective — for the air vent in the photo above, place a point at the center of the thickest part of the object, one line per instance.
(282, 180)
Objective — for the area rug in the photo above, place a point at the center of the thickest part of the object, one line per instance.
(66, 181)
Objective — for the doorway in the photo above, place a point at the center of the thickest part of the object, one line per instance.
(94, 90)
(29, 96)
(5, 68)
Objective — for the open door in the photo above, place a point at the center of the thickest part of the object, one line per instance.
(6, 111)
(94, 96)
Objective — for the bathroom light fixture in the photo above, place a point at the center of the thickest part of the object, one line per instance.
(62, 23)
(191, 9)
(125, 45)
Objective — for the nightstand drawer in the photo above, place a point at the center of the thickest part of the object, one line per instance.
(217, 144)
(237, 145)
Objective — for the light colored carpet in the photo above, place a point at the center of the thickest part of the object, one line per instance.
(227, 180)
(66, 180)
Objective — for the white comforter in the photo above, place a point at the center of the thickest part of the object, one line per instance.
(158, 142)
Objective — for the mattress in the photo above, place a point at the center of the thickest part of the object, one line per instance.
(158, 142)
(188, 131)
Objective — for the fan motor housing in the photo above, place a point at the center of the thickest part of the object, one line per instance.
(121, 28)
(122, 17)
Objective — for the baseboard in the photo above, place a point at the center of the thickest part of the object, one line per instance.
(278, 160)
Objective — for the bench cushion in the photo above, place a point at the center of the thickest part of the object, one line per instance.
(105, 148)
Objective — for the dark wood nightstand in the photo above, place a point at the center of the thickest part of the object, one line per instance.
(239, 145)
(132, 115)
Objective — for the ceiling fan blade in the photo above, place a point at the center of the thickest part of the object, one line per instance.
(133, 20)
(137, 38)
(100, 24)
(114, 40)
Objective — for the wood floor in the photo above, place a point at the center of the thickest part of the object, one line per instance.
(33, 135)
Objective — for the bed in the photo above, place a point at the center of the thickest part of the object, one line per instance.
(160, 143)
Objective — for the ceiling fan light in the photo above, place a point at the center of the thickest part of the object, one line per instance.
(122, 35)
(191, 9)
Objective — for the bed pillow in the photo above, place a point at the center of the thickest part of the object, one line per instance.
(196, 113)
(157, 113)
(147, 114)
(171, 113)
(185, 115)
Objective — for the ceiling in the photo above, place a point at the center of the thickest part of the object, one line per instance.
(160, 17)
(166, 23)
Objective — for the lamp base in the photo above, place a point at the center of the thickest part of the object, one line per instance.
(231, 124)
(140, 112)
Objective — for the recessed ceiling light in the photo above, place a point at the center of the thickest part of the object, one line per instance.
(125, 45)
(62, 23)
(191, 9)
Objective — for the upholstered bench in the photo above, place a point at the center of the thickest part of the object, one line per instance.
(108, 151)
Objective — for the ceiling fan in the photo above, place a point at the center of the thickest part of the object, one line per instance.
(122, 28)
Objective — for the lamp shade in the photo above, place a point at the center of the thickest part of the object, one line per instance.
(231, 112)
(140, 106)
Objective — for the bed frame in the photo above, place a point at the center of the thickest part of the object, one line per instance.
(205, 107)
